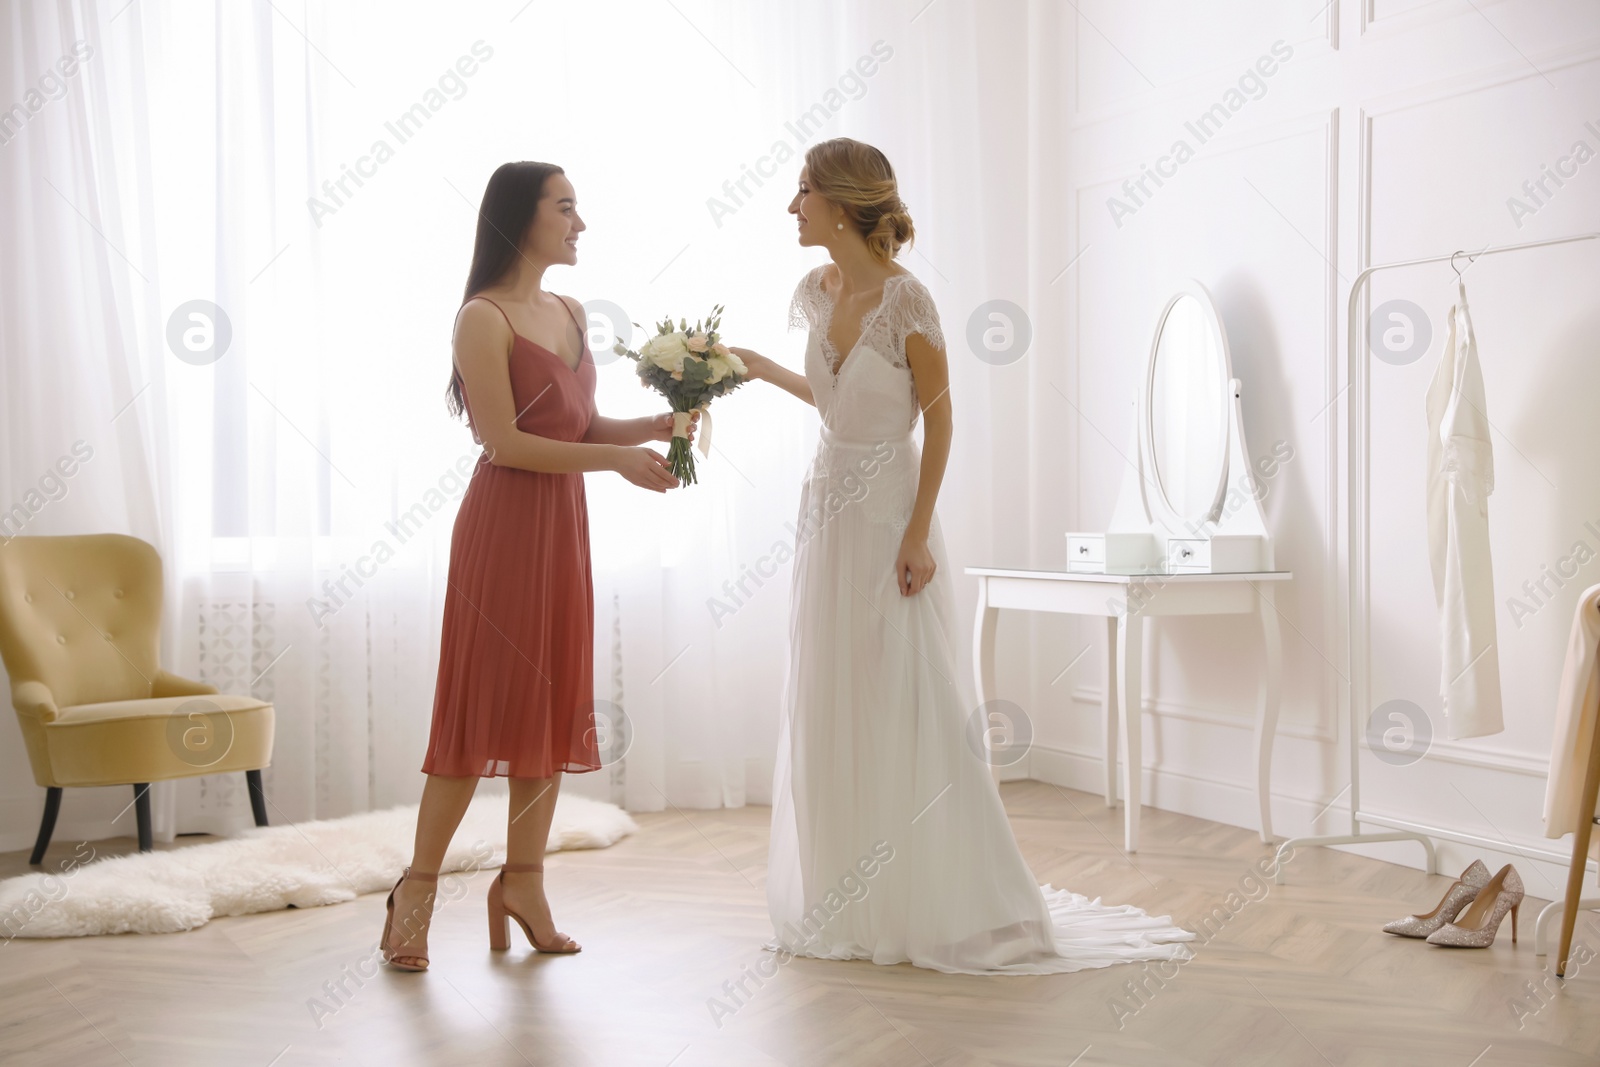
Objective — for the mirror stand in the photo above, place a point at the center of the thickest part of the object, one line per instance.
(1205, 514)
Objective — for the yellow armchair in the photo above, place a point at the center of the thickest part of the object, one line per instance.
(80, 621)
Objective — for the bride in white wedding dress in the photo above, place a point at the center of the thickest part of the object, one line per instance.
(889, 841)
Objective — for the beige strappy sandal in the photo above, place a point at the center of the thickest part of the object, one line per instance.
(499, 914)
(410, 960)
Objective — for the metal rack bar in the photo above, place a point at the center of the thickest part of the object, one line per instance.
(1358, 694)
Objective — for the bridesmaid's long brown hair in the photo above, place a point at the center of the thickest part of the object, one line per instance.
(510, 202)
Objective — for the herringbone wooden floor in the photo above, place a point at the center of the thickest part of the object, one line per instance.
(1284, 975)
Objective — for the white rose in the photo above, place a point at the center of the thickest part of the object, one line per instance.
(736, 364)
(666, 350)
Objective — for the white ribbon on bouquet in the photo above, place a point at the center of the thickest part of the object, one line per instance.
(680, 426)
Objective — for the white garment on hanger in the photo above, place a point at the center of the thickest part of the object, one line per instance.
(1577, 714)
(1460, 479)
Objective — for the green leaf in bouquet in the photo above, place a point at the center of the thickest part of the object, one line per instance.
(696, 370)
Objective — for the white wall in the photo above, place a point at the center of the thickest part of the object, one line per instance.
(1393, 131)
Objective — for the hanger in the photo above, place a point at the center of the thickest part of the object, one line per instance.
(1472, 257)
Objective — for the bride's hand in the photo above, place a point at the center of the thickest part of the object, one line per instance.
(661, 426)
(913, 566)
(754, 362)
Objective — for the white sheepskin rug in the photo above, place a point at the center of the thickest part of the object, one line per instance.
(304, 865)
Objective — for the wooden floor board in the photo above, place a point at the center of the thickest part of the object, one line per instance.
(1283, 975)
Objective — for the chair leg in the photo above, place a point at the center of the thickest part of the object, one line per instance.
(141, 793)
(47, 825)
(1580, 852)
(258, 797)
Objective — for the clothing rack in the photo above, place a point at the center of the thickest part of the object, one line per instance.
(1358, 691)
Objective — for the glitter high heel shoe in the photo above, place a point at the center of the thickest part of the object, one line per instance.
(1475, 928)
(1461, 893)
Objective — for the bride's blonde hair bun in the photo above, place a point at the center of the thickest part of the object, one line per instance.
(858, 178)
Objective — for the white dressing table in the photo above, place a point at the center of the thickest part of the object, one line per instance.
(1187, 537)
(1125, 601)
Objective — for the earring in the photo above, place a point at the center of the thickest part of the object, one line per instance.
(838, 225)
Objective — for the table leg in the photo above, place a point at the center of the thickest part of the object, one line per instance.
(983, 658)
(1267, 715)
(1108, 707)
(1130, 647)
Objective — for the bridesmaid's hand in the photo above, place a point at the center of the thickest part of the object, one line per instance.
(661, 426)
(913, 566)
(754, 362)
(645, 468)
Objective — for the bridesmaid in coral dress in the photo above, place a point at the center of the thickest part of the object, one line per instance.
(515, 693)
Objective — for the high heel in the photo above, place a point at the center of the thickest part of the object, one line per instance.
(1477, 925)
(499, 916)
(403, 961)
(1463, 891)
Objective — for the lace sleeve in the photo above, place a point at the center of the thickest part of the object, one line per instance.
(800, 308)
(913, 311)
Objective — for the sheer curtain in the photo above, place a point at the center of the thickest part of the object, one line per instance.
(302, 179)
(84, 426)
(701, 599)
(312, 491)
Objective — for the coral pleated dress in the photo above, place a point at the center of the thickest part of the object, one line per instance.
(515, 694)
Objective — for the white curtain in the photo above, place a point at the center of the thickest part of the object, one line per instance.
(313, 170)
(943, 89)
(314, 483)
(84, 422)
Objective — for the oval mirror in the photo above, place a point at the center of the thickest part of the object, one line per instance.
(1188, 406)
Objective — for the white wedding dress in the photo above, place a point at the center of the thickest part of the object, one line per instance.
(889, 841)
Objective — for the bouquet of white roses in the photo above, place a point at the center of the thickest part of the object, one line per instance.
(689, 366)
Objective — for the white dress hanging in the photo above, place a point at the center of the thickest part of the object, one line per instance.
(1460, 479)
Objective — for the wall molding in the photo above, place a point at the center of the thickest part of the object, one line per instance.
(1161, 708)
(1395, 25)
(1477, 81)
(1527, 764)
(1229, 140)
(1204, 82)
(1498, 76)
(1326, 123)
(1296, 814)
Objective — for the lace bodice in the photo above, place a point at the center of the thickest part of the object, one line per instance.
(872, 394)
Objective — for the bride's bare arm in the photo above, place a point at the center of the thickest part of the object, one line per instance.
(763, 369)
(931, 373)
(482, 353)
